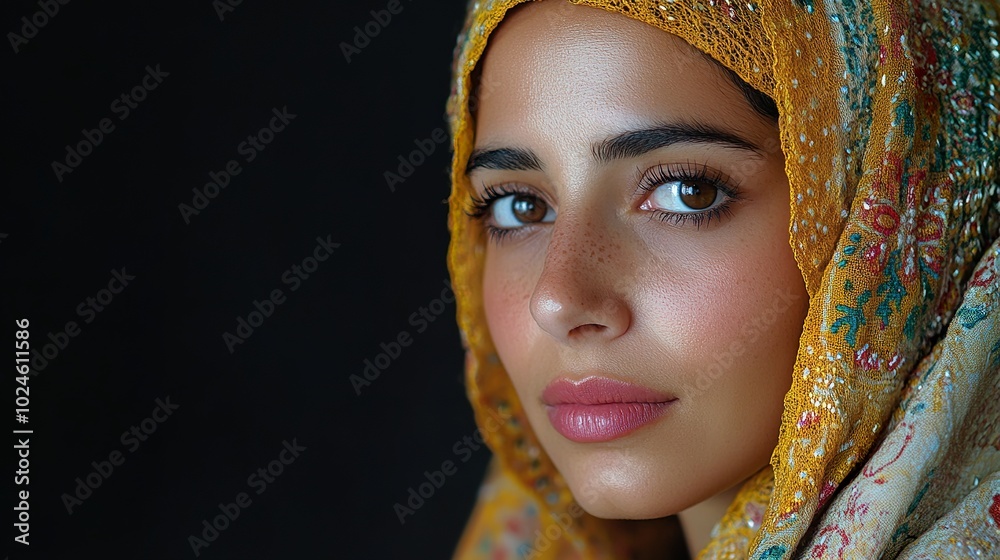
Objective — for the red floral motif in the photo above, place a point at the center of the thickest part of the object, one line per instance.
(913, 229)
(827, 491)
(889, 178)
(925, 73)
(895, 361)
(878, 211)
(789, 514)
(964, 103)
(875, 255)
(930, 228)
(898, 19)
(987, 274)
(870, 472)
(995, 509)
(866, 359)
(807, 419)
(924, 64)
(819, 550)
(945, 80)
(725, 7)
(853, 507)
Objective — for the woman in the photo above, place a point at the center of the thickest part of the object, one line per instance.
(801, 349)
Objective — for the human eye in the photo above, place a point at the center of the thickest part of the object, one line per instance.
(678, 193)
(505, 209)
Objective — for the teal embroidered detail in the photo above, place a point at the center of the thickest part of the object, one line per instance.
(892, 288)
(854, 318)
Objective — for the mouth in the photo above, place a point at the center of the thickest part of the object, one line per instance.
(597, 409)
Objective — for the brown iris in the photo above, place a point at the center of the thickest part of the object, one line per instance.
(528, 208)
(697, 195)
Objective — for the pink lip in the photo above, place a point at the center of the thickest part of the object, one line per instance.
(601, 409)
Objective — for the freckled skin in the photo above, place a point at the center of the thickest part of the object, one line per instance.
(710, 314)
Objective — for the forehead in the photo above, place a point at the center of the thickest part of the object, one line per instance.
(556, 66)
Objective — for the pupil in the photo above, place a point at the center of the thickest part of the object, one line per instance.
(696, 196)
(529, 209)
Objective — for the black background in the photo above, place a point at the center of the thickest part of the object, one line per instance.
(162, 335)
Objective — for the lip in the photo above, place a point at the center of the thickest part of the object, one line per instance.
(596, 409)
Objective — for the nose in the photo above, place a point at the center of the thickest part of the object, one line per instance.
(580, 295)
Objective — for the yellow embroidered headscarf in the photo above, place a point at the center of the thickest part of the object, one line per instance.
(890, 437)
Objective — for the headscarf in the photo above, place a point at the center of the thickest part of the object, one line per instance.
(890, 438)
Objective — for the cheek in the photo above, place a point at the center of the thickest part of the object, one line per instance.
(740, 297)
(506, 295)
(731, 340)
(732, 303)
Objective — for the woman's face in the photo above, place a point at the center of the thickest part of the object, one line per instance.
(639, 284)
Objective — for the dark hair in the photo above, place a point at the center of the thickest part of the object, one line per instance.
(762, 103)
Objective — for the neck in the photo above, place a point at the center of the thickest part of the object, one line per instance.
(698, 520)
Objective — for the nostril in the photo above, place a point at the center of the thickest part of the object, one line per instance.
(590, 328)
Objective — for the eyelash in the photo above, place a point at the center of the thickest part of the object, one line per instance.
(656, 177)
(667, 173)
(480, 207)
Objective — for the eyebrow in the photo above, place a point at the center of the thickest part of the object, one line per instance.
(626, 145)
(510, 159)
(635, 143)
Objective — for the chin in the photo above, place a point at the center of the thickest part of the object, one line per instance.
(622, 507)
(623, 487)
(632, 503)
